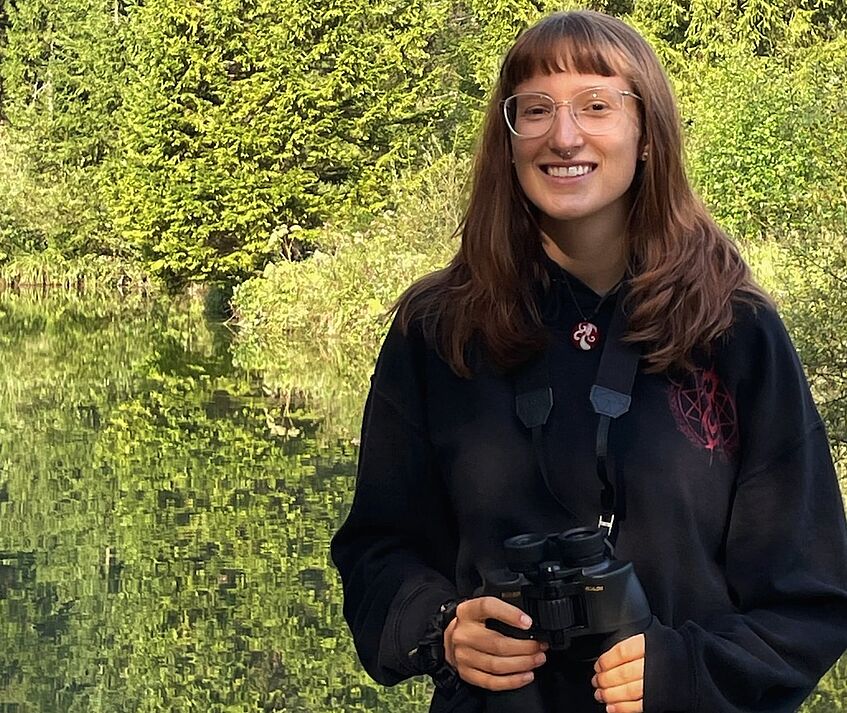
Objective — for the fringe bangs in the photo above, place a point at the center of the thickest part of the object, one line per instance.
(564, 42)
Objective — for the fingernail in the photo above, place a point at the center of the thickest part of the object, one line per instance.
(526, 621)
(544, 646)
(598, 695)
(594, 681)
(540, 659)
(528, 676)
(610, 708)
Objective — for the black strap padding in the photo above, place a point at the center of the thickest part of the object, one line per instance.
(534, 407)
(607, 494)
(611, 393)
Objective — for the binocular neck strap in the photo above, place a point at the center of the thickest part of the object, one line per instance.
(533, 402)
(610, 395)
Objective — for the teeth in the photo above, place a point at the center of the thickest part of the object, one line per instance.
(563, 171)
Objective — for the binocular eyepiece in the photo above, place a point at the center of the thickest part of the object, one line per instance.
(580, 547)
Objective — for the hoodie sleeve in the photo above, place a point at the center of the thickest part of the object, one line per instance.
(396, 551)
(785, 553)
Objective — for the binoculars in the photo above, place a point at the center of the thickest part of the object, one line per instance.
(581, 600)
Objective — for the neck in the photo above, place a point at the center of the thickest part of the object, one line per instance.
(590, 247)
(594, 256)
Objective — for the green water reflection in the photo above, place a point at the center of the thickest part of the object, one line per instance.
(164, 521)
(165, 515)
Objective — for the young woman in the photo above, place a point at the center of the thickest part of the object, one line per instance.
(725, 498)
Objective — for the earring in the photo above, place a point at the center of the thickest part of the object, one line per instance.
(644, 155)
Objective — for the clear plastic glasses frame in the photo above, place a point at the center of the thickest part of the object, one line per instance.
(595, 111)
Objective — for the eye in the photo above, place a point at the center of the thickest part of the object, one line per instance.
(533, 112)
(595, 102)
(594, 105)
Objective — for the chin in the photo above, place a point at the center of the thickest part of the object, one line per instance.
(563, 216)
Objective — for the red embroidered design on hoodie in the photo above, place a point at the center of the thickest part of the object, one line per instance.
(705, 412)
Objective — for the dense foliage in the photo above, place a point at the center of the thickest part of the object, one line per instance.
(193, 135)
(206, 139)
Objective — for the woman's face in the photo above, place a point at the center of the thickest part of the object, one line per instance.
(604, 164)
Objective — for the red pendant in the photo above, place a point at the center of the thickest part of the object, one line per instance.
(585, 336)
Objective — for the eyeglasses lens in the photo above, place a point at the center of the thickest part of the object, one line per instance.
(595, 111)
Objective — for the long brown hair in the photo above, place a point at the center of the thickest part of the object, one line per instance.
(686, 274)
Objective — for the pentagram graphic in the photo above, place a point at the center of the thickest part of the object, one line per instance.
(705, 412)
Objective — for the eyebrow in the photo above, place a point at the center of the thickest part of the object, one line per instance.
(577, 90)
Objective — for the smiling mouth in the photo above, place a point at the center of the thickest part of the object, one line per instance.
(569, 171)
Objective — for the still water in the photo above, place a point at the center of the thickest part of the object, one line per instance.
(165, 518)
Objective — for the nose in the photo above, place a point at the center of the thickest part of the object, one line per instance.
(564, 133)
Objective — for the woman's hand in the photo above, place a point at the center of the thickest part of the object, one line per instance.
(620, 676)
(486, 658)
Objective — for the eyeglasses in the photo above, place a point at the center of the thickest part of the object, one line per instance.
(597, 110)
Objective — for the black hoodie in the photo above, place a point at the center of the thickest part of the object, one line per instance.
(734, 520)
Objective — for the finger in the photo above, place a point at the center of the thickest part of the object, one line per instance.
(482, 608)
(617, 676)
(629, 649)
(631, 707)
(449, 644)
(627, 693)
(475, 636)
(498, 665)
(496, 683)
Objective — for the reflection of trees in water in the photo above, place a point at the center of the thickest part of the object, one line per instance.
(165, 518)
(162, 545)
(320, 379)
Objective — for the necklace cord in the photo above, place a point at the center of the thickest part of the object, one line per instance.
(600, 303)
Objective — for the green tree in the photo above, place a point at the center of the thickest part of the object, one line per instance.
(248, 116)
(60, 73)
